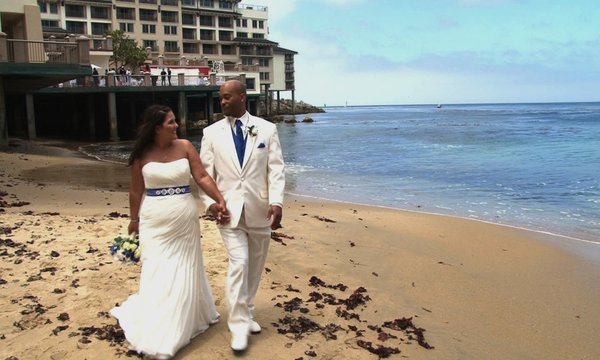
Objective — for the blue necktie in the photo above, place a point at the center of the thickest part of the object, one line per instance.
(240, 142)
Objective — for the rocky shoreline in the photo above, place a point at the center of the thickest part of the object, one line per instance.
(284, 113)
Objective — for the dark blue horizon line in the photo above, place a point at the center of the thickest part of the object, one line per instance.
(459, 104)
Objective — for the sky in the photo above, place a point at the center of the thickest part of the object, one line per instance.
(384, 52)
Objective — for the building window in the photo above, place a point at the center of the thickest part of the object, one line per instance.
(171, 46)
(75, 11)
(263, 62)
(209, 49)
(125, 13)
(190, 48)
(100, 28)
(258, 24)
(149, 28)
(207, 3)
(227, 50)
(189, 34)
(75, 27)
(150, 44)
(207, 34)
(225, 22)
(225, 35)
(168, 2)
(206, 20)
(241, 22)
(188, 19)
(247, 61)
(191, 3)
(263, 50)
(225, 5)
(46, 7)
(170, 30)
(50, 23)
(246, 50)
(147, 1)
(258, 36)
(250, 84)
(148, 15)
(169, 16)
(242, 34)
(264, 75)
(126, 27)
(99, 12)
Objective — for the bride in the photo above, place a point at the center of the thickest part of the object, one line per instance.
(174, 302)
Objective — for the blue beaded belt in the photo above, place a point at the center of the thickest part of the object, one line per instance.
(175, 190)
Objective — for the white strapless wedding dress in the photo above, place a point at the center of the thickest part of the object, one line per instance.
(174, 302)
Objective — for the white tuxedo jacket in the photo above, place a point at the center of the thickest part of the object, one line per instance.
(253, 187)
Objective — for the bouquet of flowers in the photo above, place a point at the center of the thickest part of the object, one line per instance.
(126, 248)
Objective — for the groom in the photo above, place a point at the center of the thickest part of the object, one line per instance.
(243, 155)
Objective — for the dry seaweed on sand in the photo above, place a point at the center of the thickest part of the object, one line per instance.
(381, 351)
(278, 237)
(299, 327)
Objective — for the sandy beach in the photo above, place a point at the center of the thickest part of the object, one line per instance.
(342, 281)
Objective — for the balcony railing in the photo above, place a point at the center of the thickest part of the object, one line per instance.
(253, 7)
(145, 80)
(55, 52)
(240, 67)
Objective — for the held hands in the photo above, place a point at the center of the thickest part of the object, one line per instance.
(275, 213)
(220, 213)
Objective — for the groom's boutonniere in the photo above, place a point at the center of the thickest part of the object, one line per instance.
(252, 130)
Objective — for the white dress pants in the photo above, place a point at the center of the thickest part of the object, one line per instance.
(247, 249)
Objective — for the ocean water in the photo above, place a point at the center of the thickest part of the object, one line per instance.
(535, 166)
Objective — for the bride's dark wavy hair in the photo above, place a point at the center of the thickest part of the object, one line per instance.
(152, 117)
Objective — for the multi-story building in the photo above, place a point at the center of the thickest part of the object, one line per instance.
(28, 63)
(48, 47)
(181, 33)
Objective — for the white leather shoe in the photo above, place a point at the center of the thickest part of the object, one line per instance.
(239, 342)
(254, 327)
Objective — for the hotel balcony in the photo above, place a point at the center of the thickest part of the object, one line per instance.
(27, 65)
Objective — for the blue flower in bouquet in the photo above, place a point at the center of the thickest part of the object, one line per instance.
(126, 248)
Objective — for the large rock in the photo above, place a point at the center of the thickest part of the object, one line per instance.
(300, 107)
